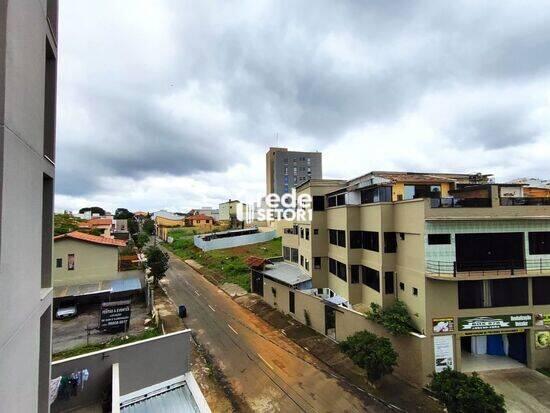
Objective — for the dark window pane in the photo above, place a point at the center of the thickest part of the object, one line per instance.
(317, 262)
(470, 294)
(509, 292)
(294, 255)
(355, 274)
(371, 278)
(332, 266)
(541, 290)
(439, 239)
(342, 273)
(318, 203)
(539, 243)
(355, 239)
(342, 238)
(390, 242)
(388, 282)
(370, 240)
(333, 236)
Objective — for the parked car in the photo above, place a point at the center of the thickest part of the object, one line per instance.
(182, 311)
(66, 309)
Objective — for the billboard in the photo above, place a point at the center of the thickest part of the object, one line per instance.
(495, 322)
(115, 316)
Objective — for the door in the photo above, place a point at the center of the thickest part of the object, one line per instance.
(258, 283)
(330, 322)
(492, 251)
(291, 302)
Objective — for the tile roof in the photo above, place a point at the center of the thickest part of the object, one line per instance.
(256, 262)
(95, 239)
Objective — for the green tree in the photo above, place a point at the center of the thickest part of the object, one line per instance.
(149, 226)
(96, 231)
(93, 210)
(123, 213)
(157, 262)
(370, 352)
(140, 239)
(64, 223)
(133, 227)
(396, 318)
(462, 393)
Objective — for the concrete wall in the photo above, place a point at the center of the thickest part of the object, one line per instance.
(141, 364)
(26, 202)
(231, 242)
(316, 165)
(93, 262)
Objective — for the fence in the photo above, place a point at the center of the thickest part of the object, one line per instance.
(231, 241)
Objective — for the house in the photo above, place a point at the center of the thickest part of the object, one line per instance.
(103, 225)
(230, 210)
(164, 221)
(211, 212)
(200, 220)
(534, 188)
(470, 259)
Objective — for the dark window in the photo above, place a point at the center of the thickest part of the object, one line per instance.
(286, 253)
(470, 294)
(439, 239)
(336, 200)
(306, 264)
(371, 278)
(490, 251)
(317, 262)
(355, 239)
(402, 236)
(333, 236)
(331, 201)
(301, 233)
(59, 263)
(388, 282)
(390, 242)
(355, 273)
(315, 231)
(541, 290)
(402, 286)
(291, 302)
(372, 195)
(370, 240)
(342, 238)
(70, 262)
(301, 260)
(294, 255)
(342, 272)
(307, 233)
(295, 229)
(415, 291)
(332, 266)
(539, 243)
(493, 293)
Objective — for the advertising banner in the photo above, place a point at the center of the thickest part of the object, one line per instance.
(443, 325)
(495, 322)
(443, 351)
(542, 339)
(542, 320)
(115, 316)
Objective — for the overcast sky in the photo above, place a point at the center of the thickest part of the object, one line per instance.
(173, 104)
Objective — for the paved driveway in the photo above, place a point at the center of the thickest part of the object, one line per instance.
(525, 390)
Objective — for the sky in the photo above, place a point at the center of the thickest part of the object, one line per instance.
(173, 104)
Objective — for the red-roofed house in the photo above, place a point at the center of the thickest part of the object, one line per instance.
(199, 220)
(102, 224)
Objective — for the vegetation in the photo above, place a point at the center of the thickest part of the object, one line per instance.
(226, 265)
(77, 351)
(462, 393)
(140, 240)
(157, 261)
(133, 227)
(64, 223)
(370, 352)
(545, 371)
(123, 213)
(149, 226)
(93, 210)
(95, 231)
(396, 318)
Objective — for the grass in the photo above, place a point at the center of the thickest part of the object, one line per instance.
(545, 371)
(225, 265)
(77, 351)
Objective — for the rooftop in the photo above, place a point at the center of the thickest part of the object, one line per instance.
(287, 273)
(176, 399)
(200, 217)
(167, 215)
(94, 239)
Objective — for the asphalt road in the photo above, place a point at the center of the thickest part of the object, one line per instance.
(271, 373)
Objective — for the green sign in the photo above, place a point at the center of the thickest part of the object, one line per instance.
(495, 322)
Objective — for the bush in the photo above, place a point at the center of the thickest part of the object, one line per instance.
(395, 319)
(157, 262)
(464, 394)
(141, 239)
(370, 352)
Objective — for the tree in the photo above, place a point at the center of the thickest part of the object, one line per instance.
(149, 226)
(133, 227)
(64, 223)
(157, 262)
(93, 210)
(95, 231)
(141, 239)
(462, 393)
(370, 352)
(396, 318)
(123, 213)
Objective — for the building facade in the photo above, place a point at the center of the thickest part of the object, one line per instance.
(28, 51)
(288, 169)
(469, 258)
(228, 210)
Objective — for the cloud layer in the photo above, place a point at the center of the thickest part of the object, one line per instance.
(174, 104)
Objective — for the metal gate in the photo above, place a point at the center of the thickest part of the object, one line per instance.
(257, 283)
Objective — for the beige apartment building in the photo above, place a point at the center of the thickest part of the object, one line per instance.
(469, 258)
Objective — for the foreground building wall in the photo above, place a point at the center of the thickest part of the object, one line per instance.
(28, 50)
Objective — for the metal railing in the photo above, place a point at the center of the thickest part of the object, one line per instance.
(539, 266)
(524, 201)
(461, 203)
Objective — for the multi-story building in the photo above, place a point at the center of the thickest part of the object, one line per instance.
(468, 257)
(228, 210)
(28, 50)
(288, 169)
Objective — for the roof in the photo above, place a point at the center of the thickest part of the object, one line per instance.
(94, 239)
(287, 273)
(178, 399)
(114, 286)
(200, 217)
(256, 262)
(168, 215)
(532, 182)
(421, 177)
(94, 222)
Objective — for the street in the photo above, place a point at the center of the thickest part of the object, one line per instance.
(266, 369)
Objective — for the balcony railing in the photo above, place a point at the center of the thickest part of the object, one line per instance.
(524, 201)
(539, 266)
(461, 203)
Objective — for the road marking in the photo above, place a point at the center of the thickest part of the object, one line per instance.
(284, 332)
(268, 365)
(232, 329)
(196, 292)
(212, 308)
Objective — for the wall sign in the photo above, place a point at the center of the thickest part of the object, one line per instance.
(115, 316)
(542, 320)
(444, 354)
(542, 339)
(495, 322)
(443, 325)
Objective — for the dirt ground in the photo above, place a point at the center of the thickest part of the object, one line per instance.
(70, 333)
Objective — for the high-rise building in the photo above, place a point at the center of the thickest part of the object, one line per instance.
(28, 72)
(287, 169)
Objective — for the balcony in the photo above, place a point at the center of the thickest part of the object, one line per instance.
(524, 201)
(487, 269)
(460, 203)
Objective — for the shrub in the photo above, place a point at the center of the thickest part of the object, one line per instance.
(395, 319)
(464, 394)
(370, 352)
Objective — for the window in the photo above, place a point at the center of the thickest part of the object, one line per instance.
(317, 262)
(355, 239)
(274, 291)
(315, 231)
(337, 237)
(50, 89)
(286, 172)
(309, 161)
(370, 240)
(492, 293)
(355, 274)
(59, 263)
(439, 239)
(342, 272)
(379, 194)
(402, 286)
(390, 242)
(70, 262)
(286, 253)
(539, 243)
(318, 203)
(301, 232)
(341, 238)
(295, 169)
(332, 266)
(285, 161)
(415, 291)
(306, 264)
(388, 282)
(336, 200)
(371, 278)
(307, 233)
(402, 236)
(294, 255)
(302, 260)
(541, 290)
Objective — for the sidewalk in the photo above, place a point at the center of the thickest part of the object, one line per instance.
(391, 389)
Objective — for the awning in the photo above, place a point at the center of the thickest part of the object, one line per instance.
(102, 287)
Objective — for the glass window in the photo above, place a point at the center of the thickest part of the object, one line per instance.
(59, 263)
(370, 241)
(318, 203)
(70, 262)
(439, 239)
(316, 262)
(539, 243)
(355, 239)
(355, 269)
(390, 242)
(371, 278)
(409, 192)
(388, 282)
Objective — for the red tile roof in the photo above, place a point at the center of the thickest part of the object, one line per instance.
(95, 239)
(256, 262)
(199, 217)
